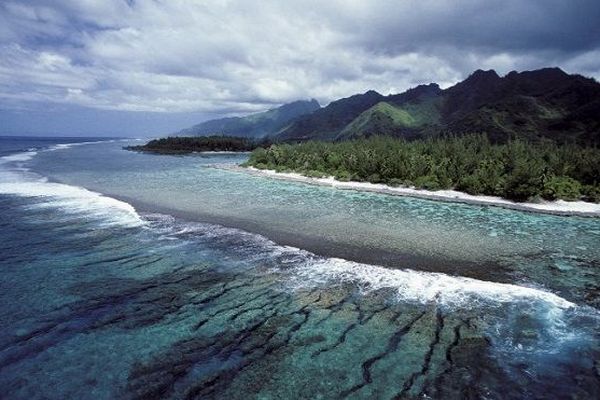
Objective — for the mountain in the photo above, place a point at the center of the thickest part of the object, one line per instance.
(531, 104)
(255, 125)
(326, 123)
(409, 113)
(547, 103)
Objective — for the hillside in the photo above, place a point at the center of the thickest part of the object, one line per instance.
(327, 122)
(532, 104)
(409, 114)
(256, 125)
(546, 102)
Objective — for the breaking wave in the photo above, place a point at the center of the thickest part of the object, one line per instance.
(17, 180)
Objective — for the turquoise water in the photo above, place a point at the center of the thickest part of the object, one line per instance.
(209, 287)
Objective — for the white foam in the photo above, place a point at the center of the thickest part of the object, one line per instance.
(421, 286)
(19, 181)
(73, 199)
(62, 146)
(18, 157)
(309, 270)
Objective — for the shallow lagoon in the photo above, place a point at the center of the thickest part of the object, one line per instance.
(101, 301)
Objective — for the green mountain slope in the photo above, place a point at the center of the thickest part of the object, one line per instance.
(255, 125)
(327, 122)
(410, 116)
(381, 119)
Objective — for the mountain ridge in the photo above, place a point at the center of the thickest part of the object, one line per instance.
(257, 125)
(545, 103)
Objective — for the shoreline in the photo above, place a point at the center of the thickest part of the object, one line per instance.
(559, 207)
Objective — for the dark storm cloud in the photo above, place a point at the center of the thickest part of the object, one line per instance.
(492, 26)
(228, 57)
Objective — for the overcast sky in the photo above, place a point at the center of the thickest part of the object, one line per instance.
(143, 67)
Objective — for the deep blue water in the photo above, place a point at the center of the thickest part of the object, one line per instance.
(101, 300)
(16, 144)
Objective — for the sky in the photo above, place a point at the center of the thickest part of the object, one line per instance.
(151, 67)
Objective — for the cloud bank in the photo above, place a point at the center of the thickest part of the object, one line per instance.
(225, 57)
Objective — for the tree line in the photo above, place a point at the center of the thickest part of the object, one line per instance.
(518, 170)
(190, 144)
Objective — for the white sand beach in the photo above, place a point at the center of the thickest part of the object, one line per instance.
(558, 207)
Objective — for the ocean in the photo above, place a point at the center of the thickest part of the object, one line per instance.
(130, 275)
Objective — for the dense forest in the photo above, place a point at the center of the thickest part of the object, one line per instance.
(516, 170)
(182, 145)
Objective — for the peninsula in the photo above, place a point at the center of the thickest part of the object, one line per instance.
(186, 145)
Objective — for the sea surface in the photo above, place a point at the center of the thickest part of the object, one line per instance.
(134, 276)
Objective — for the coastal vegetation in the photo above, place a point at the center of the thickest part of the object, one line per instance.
(518, 170)
(183, 145)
